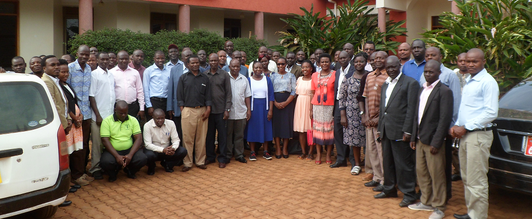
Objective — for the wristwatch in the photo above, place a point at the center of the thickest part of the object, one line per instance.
(361, 112)
(228, 110)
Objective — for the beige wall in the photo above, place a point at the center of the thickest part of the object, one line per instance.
(133, 16)
(210, 19)
(272, 24)
(103, 15)
(418, 16)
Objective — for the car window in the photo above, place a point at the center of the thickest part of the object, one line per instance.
(23, 106)
(517, 103)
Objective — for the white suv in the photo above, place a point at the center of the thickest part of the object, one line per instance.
(34, 173)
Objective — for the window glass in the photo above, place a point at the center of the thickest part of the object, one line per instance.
(517, 102)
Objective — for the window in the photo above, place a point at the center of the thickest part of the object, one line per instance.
(8, 32)
(436, 23)
(161, 21)
(232, 28)
(70, 25)
(29, 107)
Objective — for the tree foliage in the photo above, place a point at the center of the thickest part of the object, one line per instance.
(353, 24)
(501, 28)
(115, 40)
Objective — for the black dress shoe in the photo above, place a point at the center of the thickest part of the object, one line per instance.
(285, 156)
(207, 162)
(406, 203)
(151, 171)
(456, 177)
(65, 203)
(76, 186)
(129, 173)
(185, 169)
(97, 175)
(72, 190)
(112, 178)
(278, 156)
(384, 195)
(461, 216)
(169, 169)
(379, 188)
(371, 183)
(336, 165)
(241, 160)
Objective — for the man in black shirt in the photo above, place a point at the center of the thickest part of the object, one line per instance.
(194, 100)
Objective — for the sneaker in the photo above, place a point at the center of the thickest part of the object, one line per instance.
(437, 214)
(82, 181)
(253, 157)
(420, 207)
(267, 156)
(355, 170)
(87, 177)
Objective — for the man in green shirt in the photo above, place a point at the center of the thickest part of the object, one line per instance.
(120, 149)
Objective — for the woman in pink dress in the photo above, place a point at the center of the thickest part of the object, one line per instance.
(302, 121)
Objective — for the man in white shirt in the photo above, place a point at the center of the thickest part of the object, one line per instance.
(239, 113)
(162, 143)
(102, 99)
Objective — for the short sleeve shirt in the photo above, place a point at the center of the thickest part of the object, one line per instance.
(120, 133)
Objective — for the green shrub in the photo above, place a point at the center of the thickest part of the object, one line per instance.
(114, 40)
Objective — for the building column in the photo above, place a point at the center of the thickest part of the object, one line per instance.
(382, 19)
(85, 16)
(184, 18)
(259, 25)
(454, 8)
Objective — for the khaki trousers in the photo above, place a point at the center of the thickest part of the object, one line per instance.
(97, 147)
(430, 170)
(194, 134)
(374, 154)
(474, 154)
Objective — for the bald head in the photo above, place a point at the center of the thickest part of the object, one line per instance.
(393, 66)
(433, 53)
(213, 61)
(344, 59)
(158, 112)
(380, 59)
(432, 71)
(475, 61)
(404, 52)
(120, 104)
(186, 54)
(83, 55)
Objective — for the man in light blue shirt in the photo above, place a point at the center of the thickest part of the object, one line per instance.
(478, 109)
(173, 54)
(243, 70)
(155, 83)
(414, 68)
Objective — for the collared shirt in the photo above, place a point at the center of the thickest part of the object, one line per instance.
(103, 91)
(461, 77)
(228, 59)
(170, 64)
(480, 102)
(128, 85)
(118, 132)
(221, 95)
(56, 81)
(372, 91)
(155, 83)
(367, 67)
(449, 79)
(343, 72)
(413, 70)
(243, 70)
(80, 80)
(141, 69)
(424, 97)
(240, 91)
(288, 69)
(194, 90)
(272, 66)
(203, 69)
(391, 85)
(284, 83)
(157, 138)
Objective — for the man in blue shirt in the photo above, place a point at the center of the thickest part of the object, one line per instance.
(155, 83)
(478, 109)
(414, 68)
(243, 70)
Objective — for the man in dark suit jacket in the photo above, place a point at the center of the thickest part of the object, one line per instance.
(397, 112)
(433, 116)
(346, 70)
(171, 102)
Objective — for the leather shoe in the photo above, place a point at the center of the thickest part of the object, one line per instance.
(97, 175)
(112, 178)
(336, 165)
(406, 203)
(65, 203)
(202, 167)
(168, 169)
(129, 174)
(76, 186)
(185, 169)
(379, 188)
(151, 171)
(461, 216)
(384, 195)
(241, 160)
(456, 177)
(371, 183)
(207, 162)
(72, 190)
(221, 165)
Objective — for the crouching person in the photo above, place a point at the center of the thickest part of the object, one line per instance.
(121, 150)
(162, 143)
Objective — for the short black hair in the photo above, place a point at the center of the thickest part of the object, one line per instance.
(290, 53)
(192, 56)
(100, 53)
(62, 62)
(362, 54)
(18, 57)
(420, 41)
(325, 55)
(310, 63)
(159, 52)
(43, 61)
(370, 42)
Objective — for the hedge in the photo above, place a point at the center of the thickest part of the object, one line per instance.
(115, 40)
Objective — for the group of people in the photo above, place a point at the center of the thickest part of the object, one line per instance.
(409, 115)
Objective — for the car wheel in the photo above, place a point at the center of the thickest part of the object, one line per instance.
(46, 212)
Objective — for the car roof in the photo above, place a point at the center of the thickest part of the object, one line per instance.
(18, 77)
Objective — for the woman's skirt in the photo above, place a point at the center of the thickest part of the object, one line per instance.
(323, 124)
(259, 129)
(283, 119)
(75, 137)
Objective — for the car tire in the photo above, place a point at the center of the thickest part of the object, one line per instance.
(46, 212)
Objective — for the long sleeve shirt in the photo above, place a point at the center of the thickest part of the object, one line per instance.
(128, 85)
(155, 83)
(449, 78)
(157, 138)
(480, 102)
(222, 96)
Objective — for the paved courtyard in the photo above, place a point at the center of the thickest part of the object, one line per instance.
(285, 188)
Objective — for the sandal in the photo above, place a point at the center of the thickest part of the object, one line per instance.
(318, 162)
(355, 170)
(310, 157)
(301, 157)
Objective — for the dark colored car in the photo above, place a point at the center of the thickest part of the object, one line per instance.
(511, 152)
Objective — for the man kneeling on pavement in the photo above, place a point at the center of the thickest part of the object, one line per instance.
(120, 149)
(162, 143)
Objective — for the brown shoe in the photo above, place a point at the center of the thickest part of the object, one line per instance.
(185, 169)
(207, 162)
(221, 165)
(82, 181)
(202, 167)
(87, 177)
(368, 177)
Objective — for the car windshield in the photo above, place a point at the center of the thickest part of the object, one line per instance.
(24, 106)
(517, 103)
